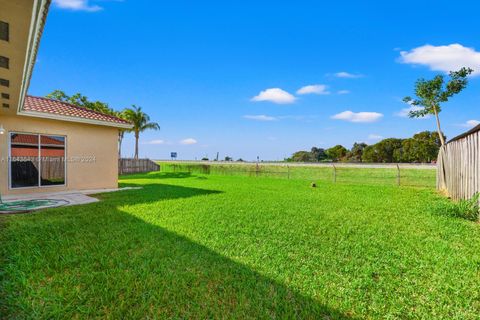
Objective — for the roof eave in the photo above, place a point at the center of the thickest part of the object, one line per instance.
(50, 116)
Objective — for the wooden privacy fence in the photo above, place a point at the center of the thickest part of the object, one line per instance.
(458, 166)
(136, 165)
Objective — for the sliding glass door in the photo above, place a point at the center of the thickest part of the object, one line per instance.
(36, 160)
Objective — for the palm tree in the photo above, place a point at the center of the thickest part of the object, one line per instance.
(140, 121)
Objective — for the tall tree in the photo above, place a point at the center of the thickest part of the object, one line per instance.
(336, 153)
(356, 153)
(431, 93)
(141, 122)
(387, 151)
(301, 156)
(121, 132)
(318, 154)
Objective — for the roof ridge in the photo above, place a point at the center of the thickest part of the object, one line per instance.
(80, 108)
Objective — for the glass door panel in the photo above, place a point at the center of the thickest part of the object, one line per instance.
(52, 157)
(24, 164)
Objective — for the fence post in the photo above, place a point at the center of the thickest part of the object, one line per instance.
(288, 170)
(334, 173)
(398, 175)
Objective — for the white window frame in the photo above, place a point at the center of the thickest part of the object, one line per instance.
(10, 187)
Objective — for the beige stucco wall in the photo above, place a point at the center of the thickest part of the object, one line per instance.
(18, 14)
(82, 140)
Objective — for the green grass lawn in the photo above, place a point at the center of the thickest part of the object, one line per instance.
(211, 246)
(378, 176)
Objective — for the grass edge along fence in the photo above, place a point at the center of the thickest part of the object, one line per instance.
(379, 174)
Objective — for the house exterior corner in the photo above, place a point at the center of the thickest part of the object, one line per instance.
(90, 158)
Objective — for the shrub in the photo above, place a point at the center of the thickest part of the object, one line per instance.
(465, 209)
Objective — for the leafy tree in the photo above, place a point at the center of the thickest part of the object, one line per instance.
(431, 93)
(429, 136)
(336, 153)
(82, 101)
(414, 150)
(302, 156)
(369, 154)
(141, 122)
(387, 150)
(423, 147)
(318, 154)
(58, 95)
(227, 158)
(357, 151)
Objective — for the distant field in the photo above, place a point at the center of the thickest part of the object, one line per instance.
(375, 174)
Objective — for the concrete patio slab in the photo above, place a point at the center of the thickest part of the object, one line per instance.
(74, 197)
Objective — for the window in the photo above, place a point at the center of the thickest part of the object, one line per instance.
(5, 105)
(4, 32)
(5, 96)
(4, 83)
(36, 160)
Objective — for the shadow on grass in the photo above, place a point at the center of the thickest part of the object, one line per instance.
(99, 261)
(152, 192)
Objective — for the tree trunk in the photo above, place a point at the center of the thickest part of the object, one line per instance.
(120, 140)
(136, 145)
(439, 129)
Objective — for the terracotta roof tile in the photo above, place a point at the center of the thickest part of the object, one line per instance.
(44, 105)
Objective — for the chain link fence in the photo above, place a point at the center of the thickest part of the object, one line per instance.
(377, 174)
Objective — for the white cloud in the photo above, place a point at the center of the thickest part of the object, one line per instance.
(314, 89)
(77, 5)
(374, 137)
(343, 91)
(470, 123)
(358, 116)
(188, 141)
(443, 58)
(158, 141)
(260, 117)
(275, 95)
(404, 113)
(348, 75)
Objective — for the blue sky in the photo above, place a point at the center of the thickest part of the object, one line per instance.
(267, 78)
